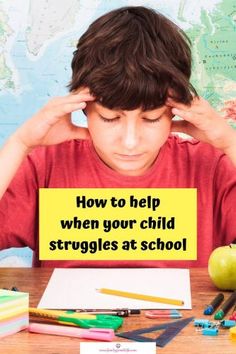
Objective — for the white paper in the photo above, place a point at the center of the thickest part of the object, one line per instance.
(76, 288)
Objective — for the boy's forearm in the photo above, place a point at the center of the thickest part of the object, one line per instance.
(11, 156)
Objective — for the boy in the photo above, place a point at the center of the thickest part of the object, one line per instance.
(131, 75)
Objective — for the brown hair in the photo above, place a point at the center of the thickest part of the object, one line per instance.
(133, 57)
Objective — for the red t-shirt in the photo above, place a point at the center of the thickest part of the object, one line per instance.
(75, 164)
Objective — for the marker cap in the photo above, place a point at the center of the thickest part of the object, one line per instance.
(208, 310)
(219, 315)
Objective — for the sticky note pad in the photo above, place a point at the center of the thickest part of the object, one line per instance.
(14, 312)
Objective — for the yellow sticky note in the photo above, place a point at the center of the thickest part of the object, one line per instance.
(118, 224)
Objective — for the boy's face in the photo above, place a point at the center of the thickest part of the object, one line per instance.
(128, 141)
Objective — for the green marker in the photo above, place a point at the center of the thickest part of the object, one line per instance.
(228, 304)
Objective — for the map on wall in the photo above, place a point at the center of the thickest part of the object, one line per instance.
(38, 37)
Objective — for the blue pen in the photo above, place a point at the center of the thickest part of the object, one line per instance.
(214, 304)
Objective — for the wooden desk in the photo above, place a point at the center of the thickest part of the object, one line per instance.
(35, 280)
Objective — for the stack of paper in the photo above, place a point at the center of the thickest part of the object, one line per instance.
(14, 312)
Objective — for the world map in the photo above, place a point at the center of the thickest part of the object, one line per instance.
(38, 37)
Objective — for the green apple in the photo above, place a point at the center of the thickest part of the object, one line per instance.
(222, 267)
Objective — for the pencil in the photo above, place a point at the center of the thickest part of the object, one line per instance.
(56, 314)
(143, 297)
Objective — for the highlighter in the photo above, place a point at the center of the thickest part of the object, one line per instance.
(101, 334)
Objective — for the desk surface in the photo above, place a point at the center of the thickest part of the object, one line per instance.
(34, 281)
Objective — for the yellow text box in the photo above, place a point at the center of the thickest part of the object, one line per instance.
(118, 224)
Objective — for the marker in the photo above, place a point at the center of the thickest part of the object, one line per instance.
(118, 312)
(101, 334)
(214, 304)
(141, 297)
(226, 306)
(233, 316)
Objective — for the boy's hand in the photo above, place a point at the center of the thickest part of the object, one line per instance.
(52, 124)
(203, 123)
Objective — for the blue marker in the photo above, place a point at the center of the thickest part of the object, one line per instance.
(214, 304)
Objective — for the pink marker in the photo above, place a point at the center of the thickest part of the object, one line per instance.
(102, 334)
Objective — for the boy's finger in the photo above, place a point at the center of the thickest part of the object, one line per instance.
(172, 103)
(75, 99)
(69, 99)
(186, 115)
(82, 89)
(71, 107)
(195, 103)
(80, 97)
(61, 110)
